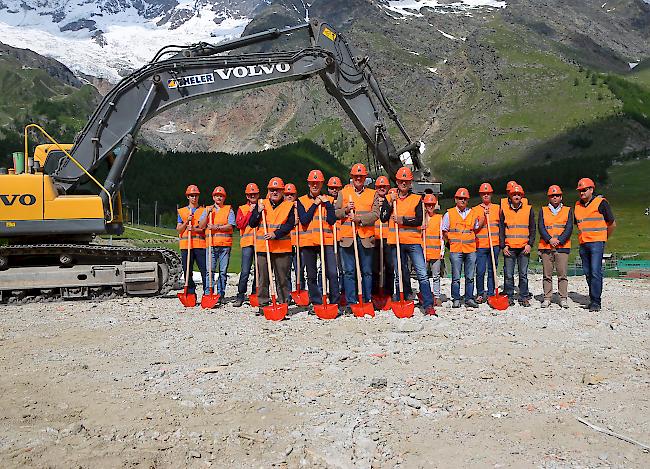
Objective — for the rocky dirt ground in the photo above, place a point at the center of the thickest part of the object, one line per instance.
(146, 383)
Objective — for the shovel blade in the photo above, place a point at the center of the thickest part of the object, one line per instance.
(209, 301)
(498, 301)
(343, 301)
(188, 299)
(275, 311)
(403, 308)
(326, 311)
(300, 297)
(363, 309)
(381, 302)
(253, 300)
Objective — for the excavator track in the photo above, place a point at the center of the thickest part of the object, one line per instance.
(54, 272)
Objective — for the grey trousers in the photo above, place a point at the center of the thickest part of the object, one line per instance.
(281, 265)
(559, 261)
(435, 276)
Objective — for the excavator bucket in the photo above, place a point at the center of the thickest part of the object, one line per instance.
(402, 308)
(300, 297)
(326, 311)
(275, 311)
(188, 299)
(253, 300)
(362, 309)
(497, 301)
(209, 301)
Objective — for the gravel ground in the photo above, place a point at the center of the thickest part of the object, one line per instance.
(144, 382)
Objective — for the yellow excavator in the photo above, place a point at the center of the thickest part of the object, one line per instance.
(58, 198)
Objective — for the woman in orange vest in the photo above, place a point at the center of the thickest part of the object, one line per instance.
(366, 205)
(433, 244)
(188, 221)
(555, 224)
(596, 223)
(483, 262)
(246, 241)
(218, 221)
(310, 208)
(280, 221)
(409, 220)
(382, 184)
(459, 227)
(516, 238)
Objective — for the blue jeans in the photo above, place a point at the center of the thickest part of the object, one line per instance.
(516, 255)
(309, 256)
(220, 258)
(294, 264)
(592, 264)
(462, 261)
(198, 255)
(247, 260)
(350, 272)
(483, 264)
(415, 253)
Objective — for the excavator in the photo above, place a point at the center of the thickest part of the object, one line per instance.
(64, 195)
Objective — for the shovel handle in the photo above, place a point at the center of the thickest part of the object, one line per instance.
(295, 214)
(489, 235)
(268, 258)
(257, 275)
(189, 253)
(322, 253)
(381, 254)
(399, 256)
(356, 252)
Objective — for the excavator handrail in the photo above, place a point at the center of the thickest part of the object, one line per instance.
(58, 145)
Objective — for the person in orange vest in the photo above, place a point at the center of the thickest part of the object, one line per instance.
(483, 261)
(188, 221)
(382, 185)
(218, 221)
(291, 195)
(409, 220)
(246, 241)
(595, 221)
(555, 224)
(434, 244)
(310, 208)
(509, 186)
(280, 220)
(516, 238)
(334, 186)
(459, 227)
(366, 206)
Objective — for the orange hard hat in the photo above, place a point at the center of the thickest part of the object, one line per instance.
(510, 185)
(290, 189)
(219, 191)
(430, 199)
(358, 169)
(276, 183)
(517, 189)
(334, 182)
(382, 181)
(251, 188)
(584, 183)
(192, 190)
(486, 188)
(315, 175)
(462, 193)
(404, 174)
(554, 190)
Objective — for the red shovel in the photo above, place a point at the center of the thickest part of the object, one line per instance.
(252, 298)
(300, 297)
(211, 300)
(401, 308)
(275, 311)
(360, 309)
(497, 301)
(381, 301)
(342, 300)
(325, 310)
(188, 299)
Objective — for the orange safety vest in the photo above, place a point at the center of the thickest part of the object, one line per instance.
(516, 223)
(310, 235)
(198, 237)
(363, 203)
(219, 238)
(555, 225)
(247, 233)
(482, 240)
(384, 229)
(407, 234)
(591, 223)
(433, 244)
(461, 232)
(275, 217)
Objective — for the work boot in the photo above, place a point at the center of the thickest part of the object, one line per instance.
(525, 302)
(511, 301)
(594, 308)
(546, 303)
(437, 301)
(456, 304)
(260, 311)
(430, 311)
(480, 299)
(564, 303)
(471, 303)
(238, 302)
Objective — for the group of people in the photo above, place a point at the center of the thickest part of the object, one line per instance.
(382, 219)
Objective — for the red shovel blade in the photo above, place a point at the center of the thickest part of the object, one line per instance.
(402, 308)
(276, 311)
(188, 299)
(326, 311)
(362, 309)
(300, 297)
(381, 302)
(343, 301)
(209, 301)
(497, 301)
(253, 300)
